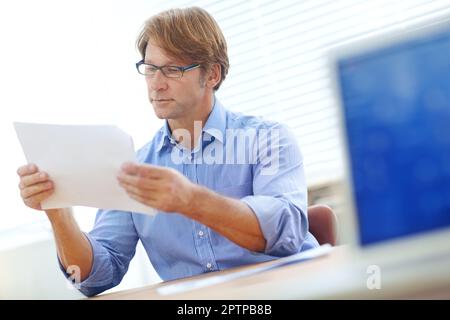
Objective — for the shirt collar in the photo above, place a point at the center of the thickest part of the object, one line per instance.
(165, 136)
(214, 126)
(217, 121)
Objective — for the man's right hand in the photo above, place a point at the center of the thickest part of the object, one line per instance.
(35, 186)
(73, 247)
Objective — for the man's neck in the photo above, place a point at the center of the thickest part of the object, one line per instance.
(193, 125)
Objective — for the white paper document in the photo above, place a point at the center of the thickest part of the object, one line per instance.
(209, 281)
(83, 162)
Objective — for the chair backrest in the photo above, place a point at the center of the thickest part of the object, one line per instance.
(323, 224)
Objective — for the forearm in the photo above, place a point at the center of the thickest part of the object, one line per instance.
(72, 245)
(230, 217)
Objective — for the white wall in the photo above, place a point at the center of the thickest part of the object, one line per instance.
(29, 268)
(31, 272)
(66, 62)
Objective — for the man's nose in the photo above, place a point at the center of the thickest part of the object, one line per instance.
(158, 81)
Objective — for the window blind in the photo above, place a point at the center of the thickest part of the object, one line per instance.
(278, 61)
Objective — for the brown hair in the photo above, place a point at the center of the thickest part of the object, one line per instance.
(189, 34)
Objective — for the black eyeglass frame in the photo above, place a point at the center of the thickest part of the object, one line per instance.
(182, 69)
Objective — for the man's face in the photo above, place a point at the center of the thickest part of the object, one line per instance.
(173, 98)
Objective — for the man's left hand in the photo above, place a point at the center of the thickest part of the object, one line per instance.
(161, 188)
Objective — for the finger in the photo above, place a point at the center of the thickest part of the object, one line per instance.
(32, 204)
(140, 182)
(35, 189)
(34, 178)
(146, 193)
(35, 201)
(146, 201)
(27, 169)
(142, 198)
(142, 170)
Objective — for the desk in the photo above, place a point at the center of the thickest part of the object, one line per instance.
(334, 276)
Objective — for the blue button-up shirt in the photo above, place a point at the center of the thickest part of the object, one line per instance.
(273, 186)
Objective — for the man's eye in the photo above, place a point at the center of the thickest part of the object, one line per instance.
(151, 69)
(172, 70)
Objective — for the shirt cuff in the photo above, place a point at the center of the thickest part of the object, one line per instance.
(281, 223)
(101, 276)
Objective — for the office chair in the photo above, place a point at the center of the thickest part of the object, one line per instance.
(323, 224)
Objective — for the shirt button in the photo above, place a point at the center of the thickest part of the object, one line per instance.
(209, 265)
(200, 233)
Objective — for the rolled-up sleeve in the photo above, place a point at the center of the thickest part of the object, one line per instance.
(113, 240)
(279, 198)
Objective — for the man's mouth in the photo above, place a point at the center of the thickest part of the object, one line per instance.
(161, 100)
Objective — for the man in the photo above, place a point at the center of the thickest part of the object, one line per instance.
(215, 211)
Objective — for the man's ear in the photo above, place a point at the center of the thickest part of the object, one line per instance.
(214, 75)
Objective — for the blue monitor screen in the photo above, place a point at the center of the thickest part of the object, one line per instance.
(396, 110)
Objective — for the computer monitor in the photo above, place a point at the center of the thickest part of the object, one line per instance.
(394, 98)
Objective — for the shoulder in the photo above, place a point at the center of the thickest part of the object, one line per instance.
(237, 120)
(267, 133)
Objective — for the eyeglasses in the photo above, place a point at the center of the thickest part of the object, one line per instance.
(175, 72)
